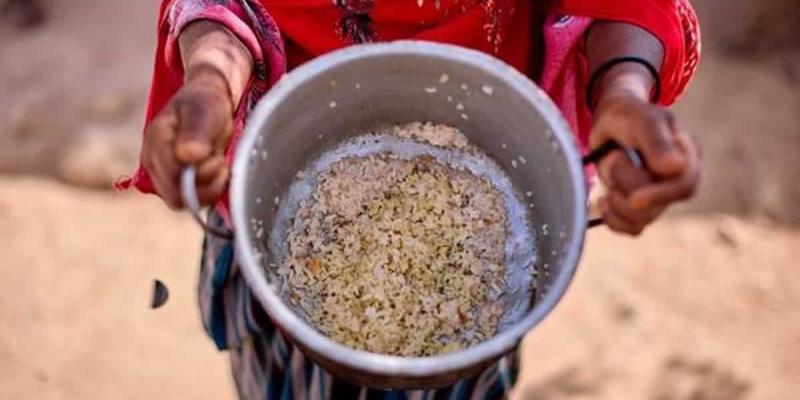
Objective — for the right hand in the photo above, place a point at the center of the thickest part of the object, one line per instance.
(638, 196)
(194, 128)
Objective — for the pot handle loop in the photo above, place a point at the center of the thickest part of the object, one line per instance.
(599, 153)
(189, 196)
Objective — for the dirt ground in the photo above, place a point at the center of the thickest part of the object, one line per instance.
(700, 308)
(704, 306)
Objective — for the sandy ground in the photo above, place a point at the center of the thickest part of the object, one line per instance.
(700, 308)
(78, 269)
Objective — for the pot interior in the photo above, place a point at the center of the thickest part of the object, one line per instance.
(522, 132)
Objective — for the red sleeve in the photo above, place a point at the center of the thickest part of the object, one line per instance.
(247, 20)
(673, 22)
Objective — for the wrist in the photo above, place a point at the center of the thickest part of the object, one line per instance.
(212, 53)
(208, 74)
(625, 80)
(211, 78)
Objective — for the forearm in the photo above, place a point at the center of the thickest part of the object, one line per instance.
(608, 40)
(209, 48)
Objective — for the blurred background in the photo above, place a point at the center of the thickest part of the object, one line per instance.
(704, 306)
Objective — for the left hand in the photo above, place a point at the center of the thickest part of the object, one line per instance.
(636, 197)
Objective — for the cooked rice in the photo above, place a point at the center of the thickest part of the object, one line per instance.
(402, 257)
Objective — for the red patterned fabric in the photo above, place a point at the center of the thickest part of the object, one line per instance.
(673, 22)
(542, 38)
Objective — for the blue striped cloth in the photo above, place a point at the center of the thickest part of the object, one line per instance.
(266, 366)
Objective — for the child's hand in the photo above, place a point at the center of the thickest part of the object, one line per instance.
(636, 197)
(193, 128)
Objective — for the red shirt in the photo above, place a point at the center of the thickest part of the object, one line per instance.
(534, 36)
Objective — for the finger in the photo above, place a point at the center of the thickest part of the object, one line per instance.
(158, 158)
(209, 169)
(166, 187)
(623, 175)
(671, 190)
(611, 126)
(617, 223)
(165, 181)
(165, 158)
(163, 126)
(623, 207)
(657, 144)
(159, 133)
(606, 165)
(200, 125)
(210, 193)
(224, 136)
(166, 167)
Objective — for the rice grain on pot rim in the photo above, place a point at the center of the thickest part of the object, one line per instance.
(400, 256)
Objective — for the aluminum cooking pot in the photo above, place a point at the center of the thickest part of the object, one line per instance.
(350, 91)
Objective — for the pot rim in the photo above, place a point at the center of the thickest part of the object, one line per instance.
(383, 364)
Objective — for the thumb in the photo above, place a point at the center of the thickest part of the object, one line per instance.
(201, 122)
(659, 146)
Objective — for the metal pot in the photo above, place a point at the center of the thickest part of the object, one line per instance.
(349, 91)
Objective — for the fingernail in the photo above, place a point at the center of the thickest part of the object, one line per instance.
(191, 151)
(674, 162)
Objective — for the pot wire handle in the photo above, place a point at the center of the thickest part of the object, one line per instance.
(599, 153)
(189, 196)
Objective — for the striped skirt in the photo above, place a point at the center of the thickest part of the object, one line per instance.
(266, 366)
